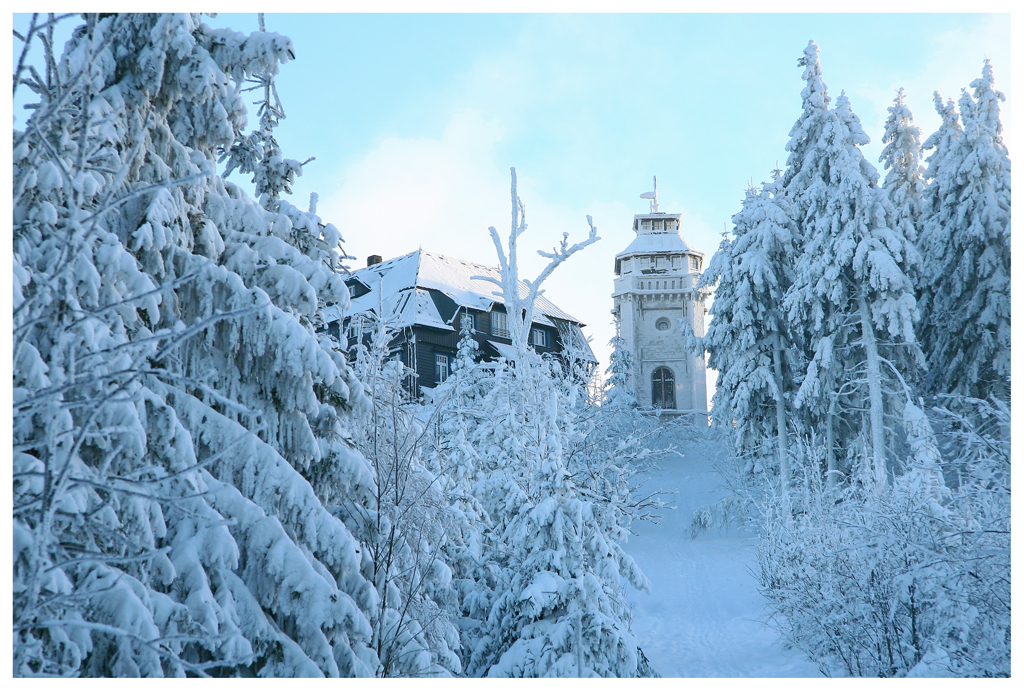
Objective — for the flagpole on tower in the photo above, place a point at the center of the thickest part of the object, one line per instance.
(652, 196)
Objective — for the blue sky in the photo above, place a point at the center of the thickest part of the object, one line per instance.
(414, 120)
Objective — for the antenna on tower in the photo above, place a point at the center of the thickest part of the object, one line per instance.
(653, 196)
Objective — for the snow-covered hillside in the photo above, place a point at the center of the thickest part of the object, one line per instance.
(703, 616)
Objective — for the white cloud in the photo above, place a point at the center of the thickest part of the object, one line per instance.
(439, 193)
(443, 193)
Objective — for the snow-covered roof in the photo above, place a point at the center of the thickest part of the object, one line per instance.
(505, 351)
(653, 241)
(648, 242)
(393, 282)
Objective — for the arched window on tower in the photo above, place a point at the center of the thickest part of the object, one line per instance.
(663, 389)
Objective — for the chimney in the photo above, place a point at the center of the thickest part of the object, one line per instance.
(373, 259)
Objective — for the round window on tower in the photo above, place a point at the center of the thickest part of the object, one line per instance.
(662, 324)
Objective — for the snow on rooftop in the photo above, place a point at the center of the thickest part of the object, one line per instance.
(448, 275)
(658, 242)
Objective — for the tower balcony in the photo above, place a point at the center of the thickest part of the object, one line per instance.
(655, 282)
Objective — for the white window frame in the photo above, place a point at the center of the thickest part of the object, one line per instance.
(441, 370)
(539, 337)
(499, 324)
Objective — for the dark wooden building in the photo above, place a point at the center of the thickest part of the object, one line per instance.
(422, 297)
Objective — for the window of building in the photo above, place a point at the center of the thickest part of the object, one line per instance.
(539, 337)
(663, 389)
(662, 324)
(353, 329)
(659, 225)
(499, 324)
(474, 324)
(645, 224)
(694, 263)
(440, 368)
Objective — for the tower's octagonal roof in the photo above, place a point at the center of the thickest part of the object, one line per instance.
(651, 241)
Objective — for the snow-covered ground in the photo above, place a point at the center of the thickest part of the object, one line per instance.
(703, 617)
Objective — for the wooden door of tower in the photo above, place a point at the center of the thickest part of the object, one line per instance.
(663, 389)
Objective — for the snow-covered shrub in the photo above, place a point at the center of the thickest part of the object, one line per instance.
(178, 421)
(907, 580)
(405, 526)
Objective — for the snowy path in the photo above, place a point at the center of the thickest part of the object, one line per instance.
(701, 619)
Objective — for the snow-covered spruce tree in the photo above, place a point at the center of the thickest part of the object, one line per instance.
(901, 158)
(800, 180)
(748, 340)
(805, 137)
(965, 243)
(451, 456)
(937, 205)
(854, 277)
(619, 391)
(555, 570)
(178, 422)
(405, 526)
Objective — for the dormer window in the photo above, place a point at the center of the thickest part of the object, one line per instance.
(499, 324)
(539, 337)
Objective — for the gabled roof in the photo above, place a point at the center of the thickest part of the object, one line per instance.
(394, 282)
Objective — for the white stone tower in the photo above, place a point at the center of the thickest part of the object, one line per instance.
(654, 289)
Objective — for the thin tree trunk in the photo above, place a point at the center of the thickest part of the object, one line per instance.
(579, 645)
(874, 391)
(830, 444)
(780, 413)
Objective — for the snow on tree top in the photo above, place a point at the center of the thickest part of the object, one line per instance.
(393, 283)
